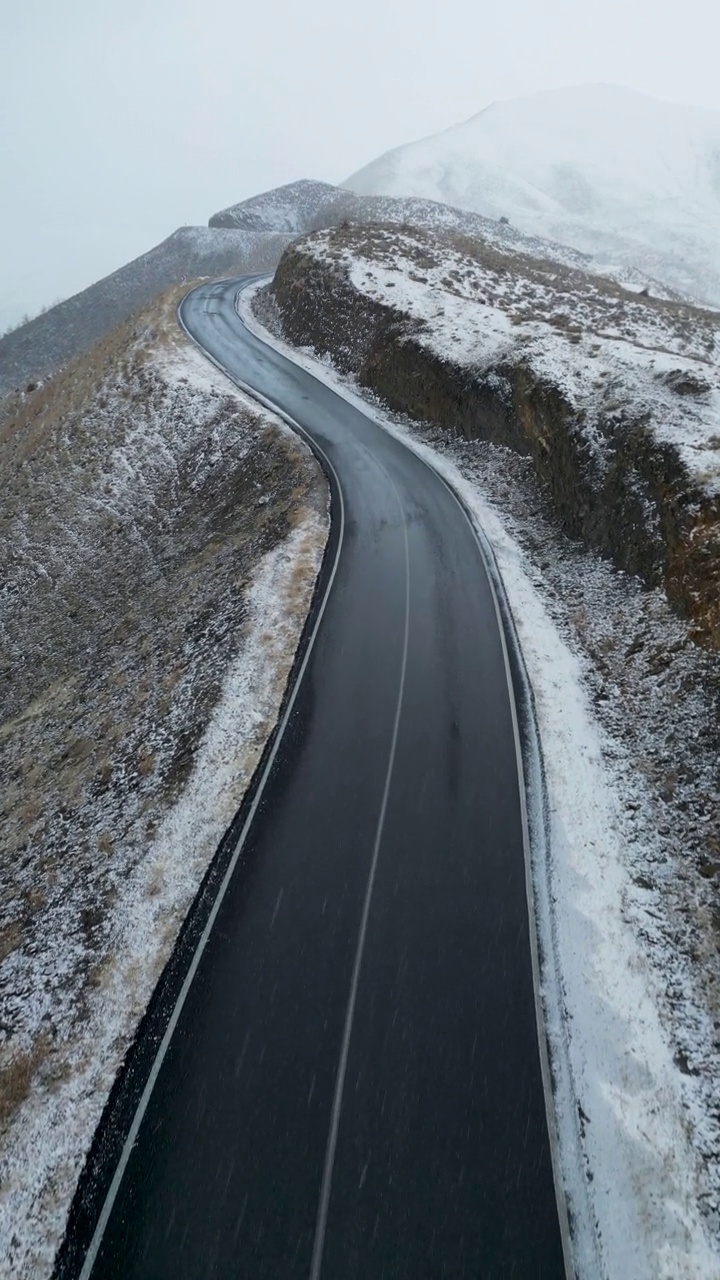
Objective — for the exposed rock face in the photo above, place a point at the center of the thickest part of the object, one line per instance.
(631, 498)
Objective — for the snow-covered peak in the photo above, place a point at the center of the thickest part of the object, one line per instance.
(623, 142)
(290, 208)
(628, 178)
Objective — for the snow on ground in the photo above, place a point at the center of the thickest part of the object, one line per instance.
(100, 911)
(625, 177)
(49, 1138)
(304, 206)
(633, 1034)
(611, 353)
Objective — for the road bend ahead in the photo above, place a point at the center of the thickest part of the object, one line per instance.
(352, 1087)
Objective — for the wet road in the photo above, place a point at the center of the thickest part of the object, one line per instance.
(351, 1085)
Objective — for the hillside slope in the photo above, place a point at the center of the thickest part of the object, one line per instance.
(614, 396)
(66, 330)
(307, 205)
(290, 208)
(160, 537)
(624, 177)
(246, 237)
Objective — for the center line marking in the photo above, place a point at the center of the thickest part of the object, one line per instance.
(326, 1185)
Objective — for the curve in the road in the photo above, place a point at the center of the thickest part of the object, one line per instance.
(349, 1082)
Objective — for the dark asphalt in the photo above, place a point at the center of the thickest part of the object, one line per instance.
(398, 766)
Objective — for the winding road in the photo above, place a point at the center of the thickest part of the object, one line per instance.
(350, 1084)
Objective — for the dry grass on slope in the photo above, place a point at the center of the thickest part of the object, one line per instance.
(140, 492)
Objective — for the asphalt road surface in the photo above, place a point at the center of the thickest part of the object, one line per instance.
(351, 1087)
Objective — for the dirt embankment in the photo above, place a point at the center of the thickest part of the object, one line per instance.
(617, 487)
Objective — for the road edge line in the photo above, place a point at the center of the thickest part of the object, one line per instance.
(329, 470)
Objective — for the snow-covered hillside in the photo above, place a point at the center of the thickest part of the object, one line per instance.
(291, 208)
(625, 177)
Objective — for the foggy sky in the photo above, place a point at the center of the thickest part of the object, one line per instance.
(119, 124)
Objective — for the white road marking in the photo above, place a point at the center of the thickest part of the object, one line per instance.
(277, 908)
(326, 1185)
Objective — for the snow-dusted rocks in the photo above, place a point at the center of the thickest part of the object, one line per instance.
(291, 208)
(614, 395)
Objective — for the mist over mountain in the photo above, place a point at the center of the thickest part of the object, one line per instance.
(630, 179)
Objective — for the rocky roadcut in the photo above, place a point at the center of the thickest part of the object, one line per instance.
(161, 542)
(615, 396)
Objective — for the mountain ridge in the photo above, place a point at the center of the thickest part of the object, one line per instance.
(630, 179)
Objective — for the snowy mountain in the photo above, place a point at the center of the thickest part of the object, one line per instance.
(307, 205)
(630, 179)
(291, 208)
(250, 236)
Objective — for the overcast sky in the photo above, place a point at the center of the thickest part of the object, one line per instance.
(120, 123)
